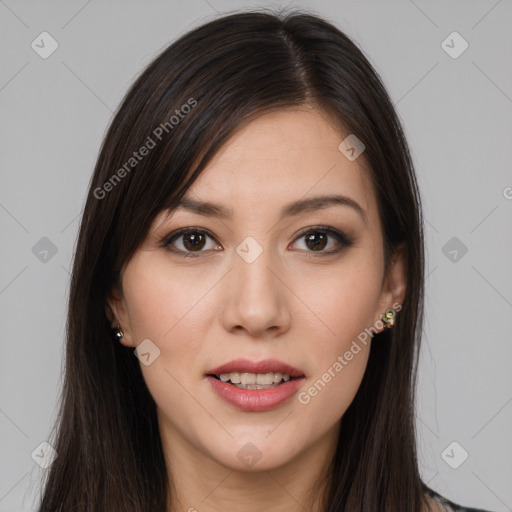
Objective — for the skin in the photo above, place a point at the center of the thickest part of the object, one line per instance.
(291, 303)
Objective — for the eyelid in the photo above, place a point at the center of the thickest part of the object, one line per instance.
(340, 235)
(181, 231)
(343, 240)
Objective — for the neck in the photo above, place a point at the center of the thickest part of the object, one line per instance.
(199, 483)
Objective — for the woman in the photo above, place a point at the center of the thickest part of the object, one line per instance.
(253, 236)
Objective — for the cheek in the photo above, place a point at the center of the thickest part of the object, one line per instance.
(342, 301)
(168, 308)
(338, 353)
(346, 302)
(163, 303)
(327, 395)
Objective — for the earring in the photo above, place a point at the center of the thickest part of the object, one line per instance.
(119, 333)
(389, 319)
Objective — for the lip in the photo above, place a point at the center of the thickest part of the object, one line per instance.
(256, 400)
(247, 366)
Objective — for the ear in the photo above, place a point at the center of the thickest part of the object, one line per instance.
(395, 282)
(117, 314)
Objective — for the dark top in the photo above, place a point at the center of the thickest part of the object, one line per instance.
(448, 505)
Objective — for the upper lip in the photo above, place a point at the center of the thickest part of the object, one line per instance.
(247, 366)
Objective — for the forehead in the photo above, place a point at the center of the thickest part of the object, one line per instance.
(280, 157)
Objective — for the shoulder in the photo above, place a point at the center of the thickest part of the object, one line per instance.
(438, 503)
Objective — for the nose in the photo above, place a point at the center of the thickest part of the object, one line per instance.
(256, 297)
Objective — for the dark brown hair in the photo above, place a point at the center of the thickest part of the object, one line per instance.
(194, 95)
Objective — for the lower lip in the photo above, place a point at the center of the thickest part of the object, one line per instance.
(255, 400)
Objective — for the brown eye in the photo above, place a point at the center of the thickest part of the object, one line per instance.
(189, 242)
(316, 241)
(323, 240)
(193, 241)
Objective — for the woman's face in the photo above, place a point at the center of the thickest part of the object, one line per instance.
(257, 277)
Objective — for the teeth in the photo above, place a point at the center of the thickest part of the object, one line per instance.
(254, 380)
(248, 378)
(234, 377)
(255, 386)
(265, 378)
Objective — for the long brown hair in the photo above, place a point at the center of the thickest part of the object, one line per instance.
(182, 108)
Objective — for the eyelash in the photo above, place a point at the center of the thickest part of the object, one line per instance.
(343, 239)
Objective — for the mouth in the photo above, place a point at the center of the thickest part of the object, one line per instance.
(255, 386)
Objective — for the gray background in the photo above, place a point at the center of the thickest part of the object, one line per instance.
(457, 117)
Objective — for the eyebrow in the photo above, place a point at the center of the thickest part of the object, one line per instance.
(310, 204)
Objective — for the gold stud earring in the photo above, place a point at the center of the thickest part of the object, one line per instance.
(389, 319)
